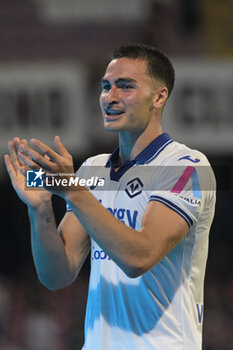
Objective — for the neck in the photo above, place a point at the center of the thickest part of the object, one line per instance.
(131, 144)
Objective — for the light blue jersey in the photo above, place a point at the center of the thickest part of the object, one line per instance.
(162, 309)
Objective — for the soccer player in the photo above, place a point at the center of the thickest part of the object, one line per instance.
(147, 228)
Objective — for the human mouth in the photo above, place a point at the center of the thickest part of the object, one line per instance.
(113, 112)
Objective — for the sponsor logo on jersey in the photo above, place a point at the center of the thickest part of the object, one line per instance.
(195, 160)
(191, 200)
(99, 254)
(134, 187)
(127, 216)
(200, 309)
(34, 178)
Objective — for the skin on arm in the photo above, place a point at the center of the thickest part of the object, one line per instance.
(134, 251)
(76, 241)
(58, 253)
(53, 253)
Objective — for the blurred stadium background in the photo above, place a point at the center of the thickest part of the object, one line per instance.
(52, 56)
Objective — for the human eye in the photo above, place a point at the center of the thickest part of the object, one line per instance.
(126, 86)
(105, 86)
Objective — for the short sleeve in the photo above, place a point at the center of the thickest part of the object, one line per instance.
(184, 189)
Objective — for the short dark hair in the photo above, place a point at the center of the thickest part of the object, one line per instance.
(159, 65)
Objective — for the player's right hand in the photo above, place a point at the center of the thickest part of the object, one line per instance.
(16, 170)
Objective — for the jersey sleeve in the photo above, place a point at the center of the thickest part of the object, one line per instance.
(184, 188)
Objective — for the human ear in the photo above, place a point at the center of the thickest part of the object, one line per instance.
(160, 97)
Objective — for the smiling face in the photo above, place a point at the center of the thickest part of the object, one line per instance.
(127, 95)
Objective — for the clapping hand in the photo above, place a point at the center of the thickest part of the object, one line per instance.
(22, 155)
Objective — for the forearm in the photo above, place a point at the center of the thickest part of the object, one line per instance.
(50, 258)
(126, 246)
(134, 251)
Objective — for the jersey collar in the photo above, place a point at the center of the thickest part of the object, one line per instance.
(145, 157)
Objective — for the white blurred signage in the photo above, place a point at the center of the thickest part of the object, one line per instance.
(94, 11)
(42, 101)
(200, 110)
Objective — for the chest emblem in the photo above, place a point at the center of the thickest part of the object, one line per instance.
(134, 187)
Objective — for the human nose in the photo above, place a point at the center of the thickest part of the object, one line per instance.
(113, 95)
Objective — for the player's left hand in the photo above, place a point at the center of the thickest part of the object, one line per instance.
(51, 162)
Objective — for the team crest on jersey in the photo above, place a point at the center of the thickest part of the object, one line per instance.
(134, 187)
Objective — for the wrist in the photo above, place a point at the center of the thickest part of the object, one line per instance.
(75, 194)
(42, 205)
